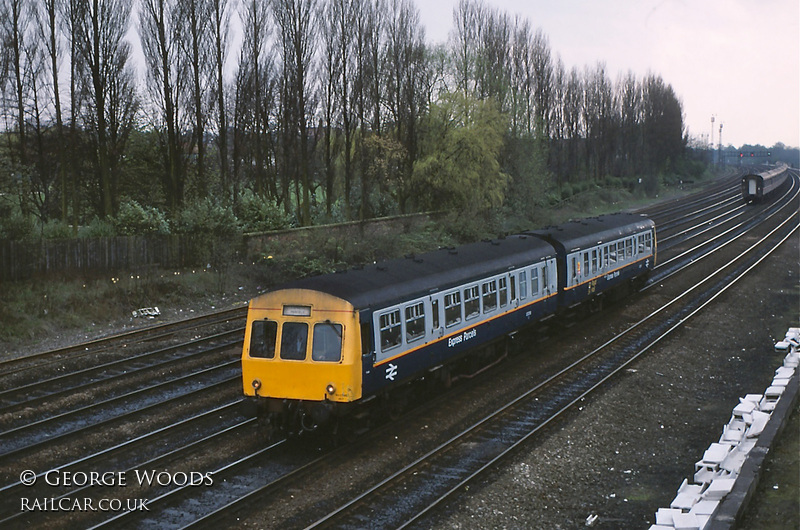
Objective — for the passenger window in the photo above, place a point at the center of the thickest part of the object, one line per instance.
(594, 261)
(489, 297)
(294, 340)
(586, 270)
(523, 285)
(452, 309)
(327, 342)
(472, 302)
(513, 288)
(640, 237)
(263, 335)
(535, 281)
(415, 322)
(390, 330)
(435, 311)
(503, 282)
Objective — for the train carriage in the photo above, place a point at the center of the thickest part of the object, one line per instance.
(596, 255)
(757, 186)
(319, 345)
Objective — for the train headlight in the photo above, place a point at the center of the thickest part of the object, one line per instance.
(256, 385)
(330, 389)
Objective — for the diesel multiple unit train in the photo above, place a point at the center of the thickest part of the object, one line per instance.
(317, 348)
(757, 186)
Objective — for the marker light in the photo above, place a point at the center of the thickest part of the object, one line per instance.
(256, 384)
(330, 389)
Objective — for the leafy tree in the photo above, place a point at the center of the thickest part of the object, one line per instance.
(460, 167)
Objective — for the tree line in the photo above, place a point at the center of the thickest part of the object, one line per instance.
(319, 109)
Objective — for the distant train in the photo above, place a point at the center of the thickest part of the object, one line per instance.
(317, 348)
(757, 186)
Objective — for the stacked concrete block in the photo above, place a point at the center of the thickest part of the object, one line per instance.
(715, 474)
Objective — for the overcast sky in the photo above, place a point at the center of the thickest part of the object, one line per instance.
(738, 60)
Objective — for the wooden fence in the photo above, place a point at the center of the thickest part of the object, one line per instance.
(21, 260)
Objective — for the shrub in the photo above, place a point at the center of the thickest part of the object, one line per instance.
(97, 228)
(258, 214)
(134, 219)
(56, 229)
(207, 217)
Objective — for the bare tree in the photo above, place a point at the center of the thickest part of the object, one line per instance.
(14, 27)
(220, 25)
(104, 53)
(295, 20)
(49, 22)
(330, 76)
(255, 99)
(405, 69)
(196, 44)
(160, 32)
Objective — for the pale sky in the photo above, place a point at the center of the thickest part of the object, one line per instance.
(738, 60)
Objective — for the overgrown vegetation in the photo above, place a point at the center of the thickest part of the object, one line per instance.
(33, 310)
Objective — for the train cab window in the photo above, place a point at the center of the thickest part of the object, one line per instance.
(503, 290)
(472, 302)
(435, 313)
(326, 344)
(294, 340)
(535, 281)
(489, 296)
(390, 330)
(452, 309)
(415, 322)
(523, 285)
(263, 335)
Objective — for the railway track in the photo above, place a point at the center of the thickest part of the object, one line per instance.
(241, 492)
(408, 495)
(54, 359)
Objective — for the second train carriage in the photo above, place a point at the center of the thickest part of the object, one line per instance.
(757, 186)
(318, 345)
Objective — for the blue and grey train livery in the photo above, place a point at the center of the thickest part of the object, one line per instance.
(318, 346)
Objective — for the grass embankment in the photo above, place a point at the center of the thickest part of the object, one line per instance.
(42, 313)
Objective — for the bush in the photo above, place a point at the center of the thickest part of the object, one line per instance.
(258, 214)
(134, 219)
(205, 217)
(56, 229)
(97, 228)
(15, 226)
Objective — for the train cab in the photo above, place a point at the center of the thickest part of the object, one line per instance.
(302, 347)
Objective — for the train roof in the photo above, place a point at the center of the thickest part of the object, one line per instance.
(767, 173)
(584, 233)
(389, 282)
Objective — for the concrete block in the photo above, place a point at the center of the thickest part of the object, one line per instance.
(718, 489)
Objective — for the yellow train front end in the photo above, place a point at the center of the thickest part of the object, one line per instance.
(301, 361)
